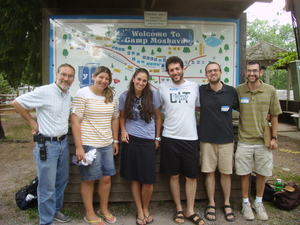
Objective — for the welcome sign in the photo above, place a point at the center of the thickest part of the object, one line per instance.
(140, 36)
(124, 44)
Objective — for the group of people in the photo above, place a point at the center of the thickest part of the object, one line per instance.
(96, 117)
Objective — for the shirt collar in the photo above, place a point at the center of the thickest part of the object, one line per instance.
(59, 91)
(261, 87)
(223, 89)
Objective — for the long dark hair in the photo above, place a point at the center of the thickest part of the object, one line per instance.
(147, 108)
(108, 92)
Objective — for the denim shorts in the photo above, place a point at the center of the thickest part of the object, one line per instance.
(103, 164)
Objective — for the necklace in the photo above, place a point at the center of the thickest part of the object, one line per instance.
(138, 101)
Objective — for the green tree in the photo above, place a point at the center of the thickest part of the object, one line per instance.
(277, 79)
(65, 53)
(285, 59)
(159, 49)
(226, 69)
(222, 38)
(65, 37)
(186, 50)
(220, 51)
(129, 47)
(5, 87)
(226, 47)
(277, 34)
(21, 41)
(143, 49)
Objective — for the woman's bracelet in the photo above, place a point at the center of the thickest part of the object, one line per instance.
(123, 131)
(116, 141)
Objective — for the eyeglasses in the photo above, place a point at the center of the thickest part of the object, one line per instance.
(211, 71)
(68, 76)
(139, 102)
(254, 71)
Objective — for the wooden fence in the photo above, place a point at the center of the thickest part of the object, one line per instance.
(6, 106)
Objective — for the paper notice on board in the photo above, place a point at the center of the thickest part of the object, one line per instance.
(156, 19)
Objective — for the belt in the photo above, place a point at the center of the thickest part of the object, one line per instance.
(60, 138)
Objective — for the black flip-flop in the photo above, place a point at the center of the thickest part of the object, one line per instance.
(146, 219)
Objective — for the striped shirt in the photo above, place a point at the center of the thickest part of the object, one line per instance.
(52, 108)
(96, 117)
(254, 108)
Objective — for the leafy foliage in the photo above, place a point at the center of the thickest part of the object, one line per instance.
(5, 88)
(286, 58)
(21, 38)
(278, 79)
(277, 34)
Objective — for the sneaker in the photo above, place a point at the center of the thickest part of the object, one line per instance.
(247, 211)
(60, 217)
(260, 211)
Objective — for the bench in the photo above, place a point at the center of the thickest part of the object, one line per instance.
(295, 117)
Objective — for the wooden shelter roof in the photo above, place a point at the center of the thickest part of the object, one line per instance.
(198, 8)
(263, 51)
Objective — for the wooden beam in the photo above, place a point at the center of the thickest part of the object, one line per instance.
(143, 4)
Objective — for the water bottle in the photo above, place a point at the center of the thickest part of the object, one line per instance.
(278, 185)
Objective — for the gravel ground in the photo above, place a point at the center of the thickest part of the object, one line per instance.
(18, 168)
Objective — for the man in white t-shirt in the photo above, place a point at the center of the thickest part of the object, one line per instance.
(179, 144)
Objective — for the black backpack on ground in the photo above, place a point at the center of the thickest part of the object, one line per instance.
(21, 195)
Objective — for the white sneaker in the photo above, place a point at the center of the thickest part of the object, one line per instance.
(260, 211)
(247, 211)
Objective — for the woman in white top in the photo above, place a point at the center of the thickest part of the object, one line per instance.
(95, 125)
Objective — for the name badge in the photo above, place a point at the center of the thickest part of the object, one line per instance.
(225, 108)
(245, 100)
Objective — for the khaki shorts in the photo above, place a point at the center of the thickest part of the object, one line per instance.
(216, 155)
(260, 155)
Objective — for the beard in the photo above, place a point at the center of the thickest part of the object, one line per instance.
(253, 81)
(177, 81)
(63, 85)
(214, 81)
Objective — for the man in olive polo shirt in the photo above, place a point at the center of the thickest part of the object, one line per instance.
(256, 101)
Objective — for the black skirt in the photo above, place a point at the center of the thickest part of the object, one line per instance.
(138, 160)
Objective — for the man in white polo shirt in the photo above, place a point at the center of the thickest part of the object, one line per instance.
(51, 153)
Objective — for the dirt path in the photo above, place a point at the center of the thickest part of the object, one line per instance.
(18, 168)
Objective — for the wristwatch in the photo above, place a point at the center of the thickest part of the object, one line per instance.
(274, 137)
(157, 139)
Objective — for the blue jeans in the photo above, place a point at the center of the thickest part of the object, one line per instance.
(53, 175)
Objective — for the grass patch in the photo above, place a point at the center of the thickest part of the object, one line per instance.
(75, 210)
(32, 213)
(161, 203)
(285, 176)
(20, 132)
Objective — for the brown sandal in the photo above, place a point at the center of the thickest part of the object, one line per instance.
(178, 216)
(192, 219)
